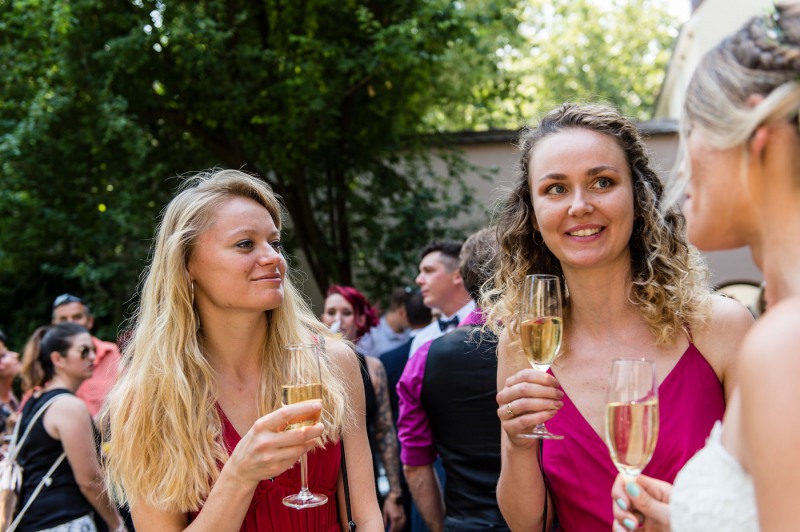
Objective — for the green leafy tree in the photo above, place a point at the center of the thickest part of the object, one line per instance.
(325, 99)
(338, 104)
(616, 51)
(570, 50)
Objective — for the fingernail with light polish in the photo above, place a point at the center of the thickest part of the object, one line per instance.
(622, 504)
(632, 489)
(629, 524)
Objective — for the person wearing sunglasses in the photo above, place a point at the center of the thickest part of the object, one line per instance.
(61, 440)
(93, 391)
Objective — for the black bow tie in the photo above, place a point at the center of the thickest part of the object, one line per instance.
(445, 325)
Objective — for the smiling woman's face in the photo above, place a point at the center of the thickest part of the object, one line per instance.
(238, 263)
(582, 196)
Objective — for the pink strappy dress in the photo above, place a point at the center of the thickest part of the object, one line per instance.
(579, 468)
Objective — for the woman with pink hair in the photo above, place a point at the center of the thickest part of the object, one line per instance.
(347, 311)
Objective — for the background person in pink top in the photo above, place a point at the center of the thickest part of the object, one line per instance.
(93, 391)
(585, 207)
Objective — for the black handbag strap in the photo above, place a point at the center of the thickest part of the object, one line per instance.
(351, 525)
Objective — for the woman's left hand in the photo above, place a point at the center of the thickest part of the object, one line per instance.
(641, 504)
(394, 515)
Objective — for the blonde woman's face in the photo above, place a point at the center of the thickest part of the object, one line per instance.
(238, 263)
(717, 210)
(582, 196)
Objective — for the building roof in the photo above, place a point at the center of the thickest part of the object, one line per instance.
(661, 126)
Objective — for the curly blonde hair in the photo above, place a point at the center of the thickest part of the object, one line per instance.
(167, 447)
(669, 276)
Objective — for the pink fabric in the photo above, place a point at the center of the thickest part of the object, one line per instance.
(93, 391)
(579, 468)
(413, 427)
(267, 512)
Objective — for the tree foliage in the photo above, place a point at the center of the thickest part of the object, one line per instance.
(335, 103)
(570, 50)
(102, 103)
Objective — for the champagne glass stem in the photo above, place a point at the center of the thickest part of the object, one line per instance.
(304, 474)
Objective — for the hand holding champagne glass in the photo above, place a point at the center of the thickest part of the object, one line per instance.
(305, 384)
(541, 329)
(632, 415)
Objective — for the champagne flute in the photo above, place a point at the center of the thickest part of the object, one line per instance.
(305, 384)
(540, 330)
(632, 415)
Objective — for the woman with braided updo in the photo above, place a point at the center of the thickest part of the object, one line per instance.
(740, 125)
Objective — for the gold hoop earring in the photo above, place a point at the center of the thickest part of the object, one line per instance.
(191, 289)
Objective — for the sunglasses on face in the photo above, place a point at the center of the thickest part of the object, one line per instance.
(84, 352)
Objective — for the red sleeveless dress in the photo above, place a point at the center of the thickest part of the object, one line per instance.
(267, 512)
(579, 468)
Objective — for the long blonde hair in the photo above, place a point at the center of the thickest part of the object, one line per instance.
(166, 432)
(669, 276)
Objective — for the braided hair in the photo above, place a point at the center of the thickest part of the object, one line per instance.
(763, 57)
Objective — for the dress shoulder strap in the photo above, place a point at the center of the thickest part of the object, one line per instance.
(688, 330)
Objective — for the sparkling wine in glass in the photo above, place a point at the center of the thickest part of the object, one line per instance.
(304, 384)
(541, 329)
(632, 415)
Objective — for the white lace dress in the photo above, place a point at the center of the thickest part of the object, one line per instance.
(713, 492)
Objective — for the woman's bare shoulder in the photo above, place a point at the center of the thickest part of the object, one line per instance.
(725, 329)
(69, 405)
(341, 354)
(772, 343)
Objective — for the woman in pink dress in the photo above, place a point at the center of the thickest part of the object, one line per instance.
(198, 439)
(585, 206)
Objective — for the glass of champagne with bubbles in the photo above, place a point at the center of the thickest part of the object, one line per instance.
(632, 414)
(540, 330)
(304, 384)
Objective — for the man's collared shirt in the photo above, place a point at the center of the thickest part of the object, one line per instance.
(432, 331)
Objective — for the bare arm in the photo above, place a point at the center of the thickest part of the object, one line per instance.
(427, 494)
(533, 398)
(769, 367)
(265, 451)
(386, 437)
(69, 420)
(360, 477)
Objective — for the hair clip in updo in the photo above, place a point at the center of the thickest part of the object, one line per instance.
(774, 30)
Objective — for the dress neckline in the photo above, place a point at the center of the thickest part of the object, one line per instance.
(665, 384)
